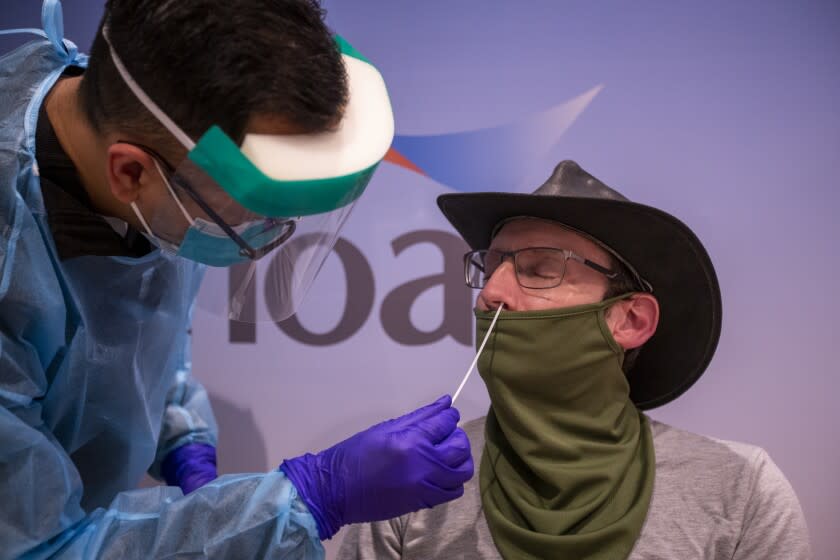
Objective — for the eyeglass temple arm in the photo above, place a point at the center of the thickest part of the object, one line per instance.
(611, 274)
(248, 250)
(593, 265)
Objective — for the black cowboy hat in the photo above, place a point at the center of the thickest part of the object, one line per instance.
(662, 253)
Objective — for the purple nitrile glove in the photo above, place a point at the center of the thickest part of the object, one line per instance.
(190, 466)
(413, 462)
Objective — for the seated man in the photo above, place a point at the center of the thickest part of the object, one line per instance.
(610, 308)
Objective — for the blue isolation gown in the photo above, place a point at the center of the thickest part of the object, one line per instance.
(95, 386)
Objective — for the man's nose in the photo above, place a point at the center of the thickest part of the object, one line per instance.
(501, 287)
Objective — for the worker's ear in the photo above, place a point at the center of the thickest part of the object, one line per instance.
(131, 171)
(633, 321)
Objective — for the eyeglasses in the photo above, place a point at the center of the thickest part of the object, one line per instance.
(281, 229)
(537, 268)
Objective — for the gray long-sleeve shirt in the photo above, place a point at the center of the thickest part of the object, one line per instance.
(712, 499)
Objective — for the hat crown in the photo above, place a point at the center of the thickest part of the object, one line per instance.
(570, 179)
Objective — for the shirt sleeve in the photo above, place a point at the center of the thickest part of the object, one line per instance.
(774, 526)
(373, 541)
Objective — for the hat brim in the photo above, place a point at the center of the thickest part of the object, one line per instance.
(660, 247)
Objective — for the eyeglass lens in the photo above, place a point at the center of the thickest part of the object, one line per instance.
(536, 267)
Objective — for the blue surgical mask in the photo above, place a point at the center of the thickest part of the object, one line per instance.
(207, 243)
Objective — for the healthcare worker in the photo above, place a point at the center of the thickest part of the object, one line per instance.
(209, 132)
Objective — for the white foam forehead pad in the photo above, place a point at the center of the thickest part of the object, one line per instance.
(361, 140)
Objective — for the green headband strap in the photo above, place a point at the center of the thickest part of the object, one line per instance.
(218, 156)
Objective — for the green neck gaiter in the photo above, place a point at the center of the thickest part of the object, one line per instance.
(568, 464)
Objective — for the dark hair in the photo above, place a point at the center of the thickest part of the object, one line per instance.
(206, 62)
(620, 285)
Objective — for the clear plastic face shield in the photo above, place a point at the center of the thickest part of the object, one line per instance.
(275, 204)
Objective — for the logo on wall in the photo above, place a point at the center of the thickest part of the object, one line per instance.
(486, 159)
(490, 158)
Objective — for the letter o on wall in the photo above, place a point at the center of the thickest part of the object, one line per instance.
(359, 301)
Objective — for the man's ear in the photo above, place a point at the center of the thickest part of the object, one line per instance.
(633, 321)
(130, 170)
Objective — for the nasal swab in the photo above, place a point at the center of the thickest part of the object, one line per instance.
(480, 348)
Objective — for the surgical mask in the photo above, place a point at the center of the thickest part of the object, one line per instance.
(568, 464)
(207, 243)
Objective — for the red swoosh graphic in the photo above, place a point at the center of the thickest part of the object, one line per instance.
(393, 156)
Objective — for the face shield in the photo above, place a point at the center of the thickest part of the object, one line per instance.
(276, 203)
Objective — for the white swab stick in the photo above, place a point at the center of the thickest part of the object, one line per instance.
(480, 348)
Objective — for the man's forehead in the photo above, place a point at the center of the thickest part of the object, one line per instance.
(522, 228)
(525, 231)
